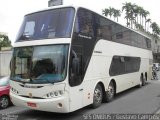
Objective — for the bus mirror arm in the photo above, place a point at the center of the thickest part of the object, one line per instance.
(75, 66)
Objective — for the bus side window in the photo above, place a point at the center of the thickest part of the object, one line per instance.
(85, 23)
(117, 66)
(105, 29)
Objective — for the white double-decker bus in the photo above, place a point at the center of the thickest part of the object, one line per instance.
(67, 57)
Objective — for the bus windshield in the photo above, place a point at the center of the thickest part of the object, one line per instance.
(55, 23)
(39, 64)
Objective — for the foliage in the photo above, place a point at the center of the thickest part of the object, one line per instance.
(4, 41)
(136, 18)
(155, 28)
(112, 12)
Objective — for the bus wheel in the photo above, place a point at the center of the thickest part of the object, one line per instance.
(143, 80)
(97, 97)
(140, 84)
(110, 93)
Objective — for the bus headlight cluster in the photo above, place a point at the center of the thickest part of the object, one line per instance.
(14, 91)
(54, 94)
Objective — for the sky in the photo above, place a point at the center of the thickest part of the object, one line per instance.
(13, 11)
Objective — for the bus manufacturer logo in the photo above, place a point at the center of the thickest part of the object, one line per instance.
(30, 95)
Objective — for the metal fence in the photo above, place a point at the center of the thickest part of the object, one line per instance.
(5, 57)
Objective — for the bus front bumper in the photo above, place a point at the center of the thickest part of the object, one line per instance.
(58, 105)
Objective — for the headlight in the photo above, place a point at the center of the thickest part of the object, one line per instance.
(14, 91)
(54, 94)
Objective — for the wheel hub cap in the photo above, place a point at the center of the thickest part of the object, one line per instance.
(97, 95)
(4, 102)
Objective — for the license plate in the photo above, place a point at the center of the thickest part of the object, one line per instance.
(31, 104)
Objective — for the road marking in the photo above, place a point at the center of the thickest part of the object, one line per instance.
(158, 112)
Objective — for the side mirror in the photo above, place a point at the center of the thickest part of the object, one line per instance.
(75, 66)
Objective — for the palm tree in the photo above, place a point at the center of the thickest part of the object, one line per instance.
(116, 13)
(130, 13)
(139, 27)
(149, 22)
(105, 12)
(145, 14)
(141, 10)
(136, 13)
(127, 7)
(155, 28)
(111, 11)
(108, 11)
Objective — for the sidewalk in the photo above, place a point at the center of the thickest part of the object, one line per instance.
(158, 108)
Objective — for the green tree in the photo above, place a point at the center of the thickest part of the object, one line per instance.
(136, 18)
(136, 13)
(155, 28)
(105, 12)
(145, 14)
(111, 10)
(116, 13)
(149, 23)
(141, 14)
(127, 7)
(4, 41)
(139, 27)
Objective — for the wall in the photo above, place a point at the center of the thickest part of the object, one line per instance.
(5, 57)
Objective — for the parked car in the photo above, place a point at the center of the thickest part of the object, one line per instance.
(4, 92)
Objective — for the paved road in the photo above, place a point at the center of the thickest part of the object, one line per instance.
(136, 100)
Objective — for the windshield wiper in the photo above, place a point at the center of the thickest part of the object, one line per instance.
(25, 37)
(18, 79)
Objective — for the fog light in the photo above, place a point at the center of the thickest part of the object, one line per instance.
(52, 94)
(56, 93)
(14, 91)
(59, 105)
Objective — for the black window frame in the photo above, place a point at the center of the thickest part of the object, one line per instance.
(128, 36)
(124, 64)
(21, 37)
(82, 44)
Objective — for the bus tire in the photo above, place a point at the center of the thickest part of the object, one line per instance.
(109, 96)
(143, 80)
(97, 96)
(146, 77)
(140, 82)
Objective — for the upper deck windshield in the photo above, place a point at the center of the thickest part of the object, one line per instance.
(49, 24)
(39, 64)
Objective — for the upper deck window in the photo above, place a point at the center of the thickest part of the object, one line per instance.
(56, 23)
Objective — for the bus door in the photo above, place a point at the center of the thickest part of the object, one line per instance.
(75, 78)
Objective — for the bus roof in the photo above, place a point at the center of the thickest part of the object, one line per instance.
(76, 7)
(53, 7)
